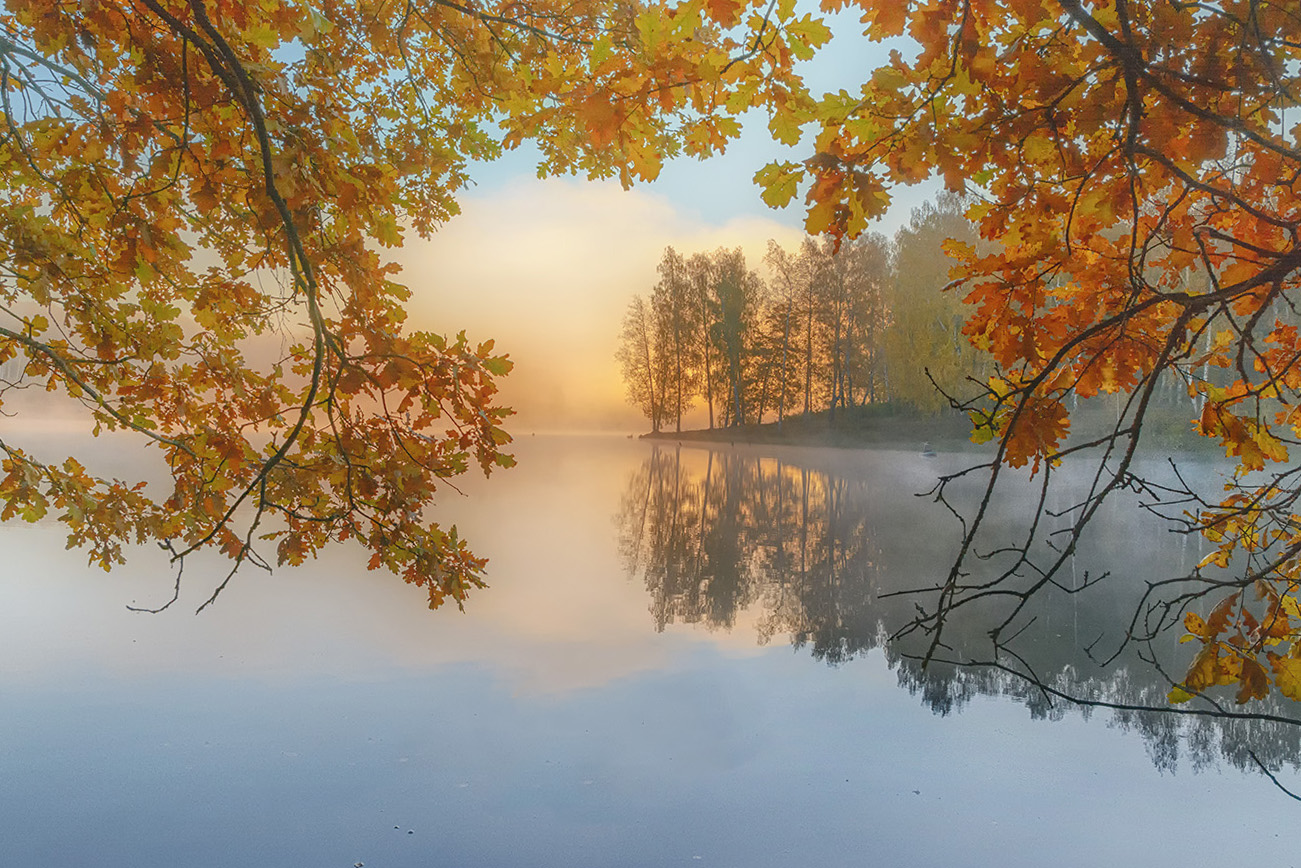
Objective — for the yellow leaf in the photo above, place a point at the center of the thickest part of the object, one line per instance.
(1040, 150)
(1287, 675)
(889, 78)
(982, 433)
(650, 25)
(263, 36)
(785, 127)
(1290, 605)
(820, 217)
(1228, 669)
(1203, 671)
(805, 35)
(1219, 558)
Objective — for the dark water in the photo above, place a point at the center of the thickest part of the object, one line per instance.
(682, 660)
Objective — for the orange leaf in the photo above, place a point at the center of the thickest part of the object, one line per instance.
(1254, 683)
(725, 12)
(1220, 616)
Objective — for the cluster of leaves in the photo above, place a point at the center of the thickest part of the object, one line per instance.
(1137, 166)
(195, 198)
(1234, 641)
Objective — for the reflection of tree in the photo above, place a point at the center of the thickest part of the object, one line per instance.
(685, 535)
(710, 542)
(819, 569)
(821, 556)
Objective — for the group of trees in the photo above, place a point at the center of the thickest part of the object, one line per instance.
(834, 325)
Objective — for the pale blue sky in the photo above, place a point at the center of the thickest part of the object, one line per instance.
(721, 188)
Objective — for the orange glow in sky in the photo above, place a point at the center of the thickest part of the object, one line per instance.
(546, 269)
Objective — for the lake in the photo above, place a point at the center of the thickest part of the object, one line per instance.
(683, 659)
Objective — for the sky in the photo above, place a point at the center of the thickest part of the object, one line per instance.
(547, 268)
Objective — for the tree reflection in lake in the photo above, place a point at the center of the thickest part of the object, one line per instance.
(820, 550)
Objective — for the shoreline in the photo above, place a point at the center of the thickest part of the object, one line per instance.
(853, 428)
(885, 427)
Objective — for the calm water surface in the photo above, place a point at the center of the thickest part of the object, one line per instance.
(681, 661)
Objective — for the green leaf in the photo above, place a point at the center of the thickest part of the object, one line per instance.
(785, 126)
(780, 182)
(386, 231)
(805, 35)
(263, 36)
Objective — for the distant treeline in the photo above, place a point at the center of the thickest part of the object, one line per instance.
(831, 328)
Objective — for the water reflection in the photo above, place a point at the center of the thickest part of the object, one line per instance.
(814, 550)
(549, 725)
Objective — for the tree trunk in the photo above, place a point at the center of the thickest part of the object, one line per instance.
(781, 395)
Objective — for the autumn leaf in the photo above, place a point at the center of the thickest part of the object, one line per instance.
(1254, 683)
(1037, 433)
(724, 12)
(886, 19)
(1287, 675)
(1204, 671)
(1194, 624)
(779, 182)
(1219, 619)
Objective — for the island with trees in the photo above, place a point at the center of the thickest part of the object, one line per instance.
(837, 326)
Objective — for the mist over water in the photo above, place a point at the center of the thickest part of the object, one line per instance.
(684, 656)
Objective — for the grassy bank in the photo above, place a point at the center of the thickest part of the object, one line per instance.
(875, 425)
(884, 425)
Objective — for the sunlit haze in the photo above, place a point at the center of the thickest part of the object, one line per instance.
(546, 268)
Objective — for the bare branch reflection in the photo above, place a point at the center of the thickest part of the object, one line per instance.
(833, 552)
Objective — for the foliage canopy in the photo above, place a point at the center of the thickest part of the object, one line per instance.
(195, 196)
(1138, 165)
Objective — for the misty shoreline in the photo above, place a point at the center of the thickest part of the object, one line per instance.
(851, 428)
(1166, 431)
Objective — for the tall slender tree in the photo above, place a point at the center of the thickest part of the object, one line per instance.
(704, 309)
(786, 284)
(870, 269)
(739, 295)
(637, 355)
(672, 308)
